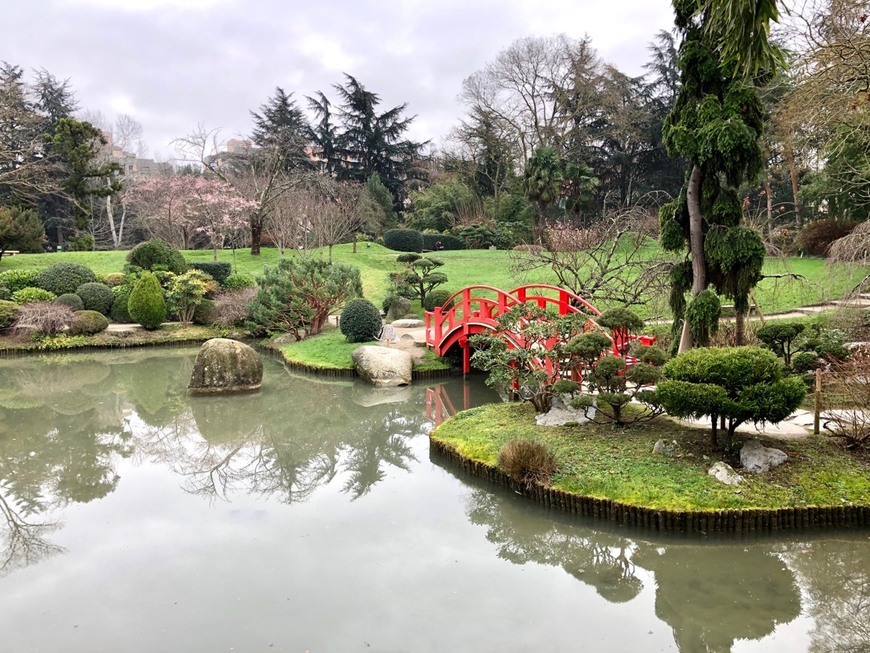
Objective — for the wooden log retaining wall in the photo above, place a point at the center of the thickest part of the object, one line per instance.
(664, 521)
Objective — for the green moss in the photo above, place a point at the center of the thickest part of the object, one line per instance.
(618, 464)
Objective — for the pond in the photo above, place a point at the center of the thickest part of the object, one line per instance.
(309, 517)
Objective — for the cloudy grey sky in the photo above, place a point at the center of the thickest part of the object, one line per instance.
(172, 64)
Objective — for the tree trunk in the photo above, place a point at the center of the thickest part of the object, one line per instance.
(354, 243)
(714, 432)
(769, 197)
(740, 328)
(793, 175)
(256, 235)
(696, 247)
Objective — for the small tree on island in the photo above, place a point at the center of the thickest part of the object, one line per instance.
(298, 295)
(419, 276)
(737, 384)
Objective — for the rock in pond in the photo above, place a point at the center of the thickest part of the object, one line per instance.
(224, 366)
(383, 366)
(755, 457)
(724, 473)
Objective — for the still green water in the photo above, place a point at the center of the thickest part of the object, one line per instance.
(308, 517)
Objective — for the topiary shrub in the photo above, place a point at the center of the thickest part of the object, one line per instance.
(403, 240)
(18, 279)
(72, 300)
(96, 297)
(29, 295)
(437, 297)
(147, 305)
(62, 278)
(815, 239)
(527, 462)
(46, 318)
(153, 253)
(239, 280)
(218, 270)
(116, 279)
(8, 311)
(360, 321)
(119, 312)
(87, 323)
(205, 312)
(779, 337)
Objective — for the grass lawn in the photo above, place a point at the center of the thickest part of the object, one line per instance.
(329, 350)
(618, 464)
(486, 267)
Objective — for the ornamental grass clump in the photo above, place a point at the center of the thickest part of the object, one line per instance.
(43, 318)
(146, 304)
(527, 462)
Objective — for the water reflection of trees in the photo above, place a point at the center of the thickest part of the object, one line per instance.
(710, 594)
(59, 432)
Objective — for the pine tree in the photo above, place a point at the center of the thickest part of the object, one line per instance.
(280, 124)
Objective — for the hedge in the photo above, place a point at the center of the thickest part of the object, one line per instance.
(403, 240)
(218, 270)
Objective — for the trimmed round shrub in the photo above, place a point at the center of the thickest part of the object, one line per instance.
(205, 312)
(360, 321)
(115, 279)
(62, 278)
(147, 305)
(96, 297)
(403, 240)
(218, 270)
(72, 300)
(87, 323)
(527, 462)
(119, 312)
(18, 279)
(30, 295)
(8, 311)
(153, 253)
(436, 297)
(239, 280)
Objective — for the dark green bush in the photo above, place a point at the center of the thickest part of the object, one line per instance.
(564, 386)
(360, 321)
(153, 253)
(620, 318)
(476, 236)
(18, 279)
(403, 240)
(96, 297)
(120, 313)
(806, 361)
(448, 241)
(8, 311)
(147, 305)
(239, 280)
(527, 462)
(779, 336)
(72, 300)
(205, 312)
(5, 293)
(30, 295)
(62, 278)
(218, 270)
(437, 297)
(816, 238)
(87, 323)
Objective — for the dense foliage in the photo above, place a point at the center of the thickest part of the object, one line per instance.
(88, 323)
(218, 270)
(437, 297)
(29, 295)
(403, 240)
(96, 297)
(360, 321)
(8, 311)
(63, 278)
(737, 384)
(72, 300)
(147, 305)
(156, 253)
(297, 296)
(18, 278)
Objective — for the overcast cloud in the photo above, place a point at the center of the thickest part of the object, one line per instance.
(172, 64)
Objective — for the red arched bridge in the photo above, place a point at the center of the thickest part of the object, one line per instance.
(475, 309)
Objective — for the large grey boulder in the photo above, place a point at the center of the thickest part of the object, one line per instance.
(383, 366)
(724, 473)
(407, 323)
(755, 457)
(398, 308)
(225, 366)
